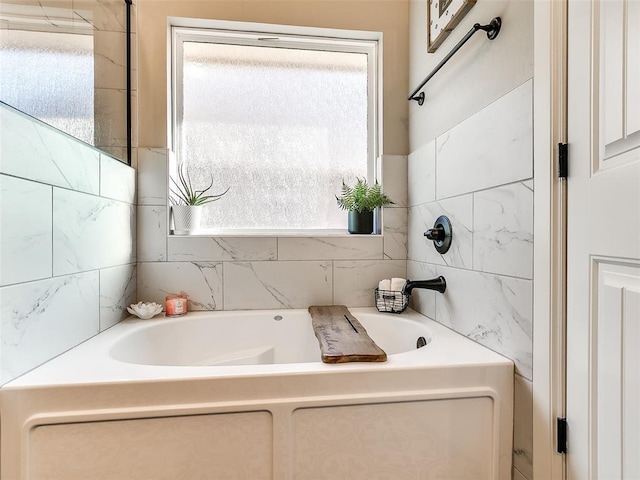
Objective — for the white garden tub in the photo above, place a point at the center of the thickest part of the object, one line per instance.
(243, 395)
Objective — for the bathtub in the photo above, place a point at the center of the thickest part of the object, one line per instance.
(243, 395)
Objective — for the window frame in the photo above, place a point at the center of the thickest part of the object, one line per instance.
(279, 36)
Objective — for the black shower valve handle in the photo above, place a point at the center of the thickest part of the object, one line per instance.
(436, 234)
(440, 234)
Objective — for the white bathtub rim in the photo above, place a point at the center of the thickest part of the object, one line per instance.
(90, 364)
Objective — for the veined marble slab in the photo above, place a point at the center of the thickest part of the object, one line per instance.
(42, 319)
(422, 300)
(35, 151)
(459, 210)
(257, 285)
(211, 249)
(503, 230)
(330, 248)
(422, 175)
(152, 176)
(91, 232)
(152, 233)
(117, 292)
(493, 310)
(394, 233)
(117, 180)
(201, 281)
(355, 280)
(25, 233)
(493, 147)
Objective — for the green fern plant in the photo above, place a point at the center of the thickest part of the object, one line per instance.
(183, 193)
(361, 197)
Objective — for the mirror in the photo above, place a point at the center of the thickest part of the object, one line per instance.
(64, 62)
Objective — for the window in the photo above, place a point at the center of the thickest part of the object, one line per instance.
(281, 119)
(49, 75)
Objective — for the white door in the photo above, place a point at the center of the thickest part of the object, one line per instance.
(603, 247)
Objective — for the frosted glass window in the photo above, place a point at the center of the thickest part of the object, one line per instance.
(281, 126)
(49, 75)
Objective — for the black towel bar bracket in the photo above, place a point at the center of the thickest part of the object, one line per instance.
(492, 29)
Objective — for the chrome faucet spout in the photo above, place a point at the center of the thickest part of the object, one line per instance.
(438, 284)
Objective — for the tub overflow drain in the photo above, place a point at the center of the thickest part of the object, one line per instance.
(277, 318)
(421, 342)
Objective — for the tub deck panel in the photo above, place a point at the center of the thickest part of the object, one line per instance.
(446, 408)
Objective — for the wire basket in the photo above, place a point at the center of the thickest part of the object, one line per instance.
(391, 301)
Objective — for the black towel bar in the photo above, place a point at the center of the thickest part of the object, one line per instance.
(492, 29)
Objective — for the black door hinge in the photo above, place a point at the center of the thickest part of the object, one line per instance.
(561, 435)
(563, 160)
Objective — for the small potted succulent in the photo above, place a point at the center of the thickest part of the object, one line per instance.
(361, 200)
(187, 202)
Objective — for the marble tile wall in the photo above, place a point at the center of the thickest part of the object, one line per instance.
(265, 272)
(67, 242)
(480, 174)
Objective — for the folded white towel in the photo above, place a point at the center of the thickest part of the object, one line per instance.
(384, 284)
(397, 284)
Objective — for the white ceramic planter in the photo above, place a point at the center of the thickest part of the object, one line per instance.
(186, 219)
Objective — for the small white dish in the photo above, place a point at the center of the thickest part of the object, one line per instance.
(144, 310)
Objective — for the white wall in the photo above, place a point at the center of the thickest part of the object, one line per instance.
(67, 245)
(471, 158)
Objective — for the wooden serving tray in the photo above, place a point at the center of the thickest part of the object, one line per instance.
(342, 337)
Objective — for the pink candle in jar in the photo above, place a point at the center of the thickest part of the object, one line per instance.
(175, 305)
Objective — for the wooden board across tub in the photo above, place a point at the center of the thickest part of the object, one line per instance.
(342, 337)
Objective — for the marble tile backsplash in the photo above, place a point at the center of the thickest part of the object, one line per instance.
(67, 267)
(265, 272)
(479, 174)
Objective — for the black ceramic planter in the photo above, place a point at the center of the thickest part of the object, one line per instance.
(360, 222)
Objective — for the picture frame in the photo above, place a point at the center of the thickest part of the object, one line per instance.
(442, 18)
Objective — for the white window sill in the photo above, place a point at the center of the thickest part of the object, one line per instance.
(269, 233)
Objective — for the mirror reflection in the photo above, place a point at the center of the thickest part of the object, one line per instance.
(63, 62)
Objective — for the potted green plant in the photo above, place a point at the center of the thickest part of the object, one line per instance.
(187, 201)
(361, 200)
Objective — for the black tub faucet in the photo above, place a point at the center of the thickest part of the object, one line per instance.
(438, 284)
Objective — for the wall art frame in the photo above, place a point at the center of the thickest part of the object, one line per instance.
(442, 18)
